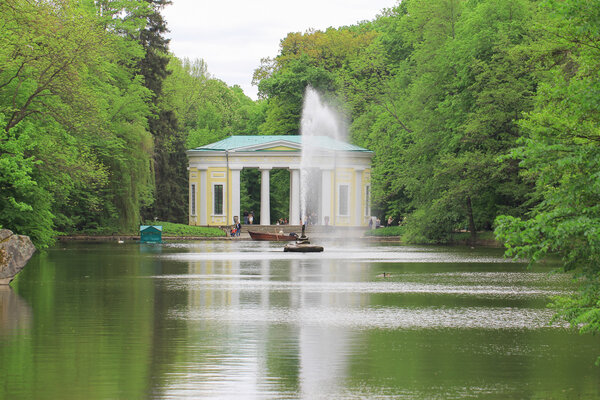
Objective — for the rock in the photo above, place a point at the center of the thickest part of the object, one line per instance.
(15, 251)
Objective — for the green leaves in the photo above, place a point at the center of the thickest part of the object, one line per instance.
(73, 121)
(561, 152)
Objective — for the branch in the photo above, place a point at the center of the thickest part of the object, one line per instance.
(395, 116)
(17, 74)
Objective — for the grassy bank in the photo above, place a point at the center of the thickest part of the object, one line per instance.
(169, 229)
(391, 231)
(172, 229)
(484, 238)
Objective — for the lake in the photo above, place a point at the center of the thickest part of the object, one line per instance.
(243, 319)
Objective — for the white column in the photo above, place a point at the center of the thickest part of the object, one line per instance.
(203, 200)
(358, 197)
(294, 197)
(326, 197)
(265, 201)
(235, 194)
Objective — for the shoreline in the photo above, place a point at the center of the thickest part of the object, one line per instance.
(109, 238)
(380, 239)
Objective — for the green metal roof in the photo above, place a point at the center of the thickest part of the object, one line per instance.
(144, 227)
(233, 143)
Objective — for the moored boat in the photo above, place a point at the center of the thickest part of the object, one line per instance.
(275, 237)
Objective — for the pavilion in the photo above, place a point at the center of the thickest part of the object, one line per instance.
(343, 177)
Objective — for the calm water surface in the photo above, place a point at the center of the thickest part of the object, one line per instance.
(245, 320)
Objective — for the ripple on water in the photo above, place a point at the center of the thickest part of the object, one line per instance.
(377, 318)
(361, 255)
(254, 284)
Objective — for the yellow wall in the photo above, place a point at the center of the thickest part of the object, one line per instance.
(217, 175)
(366, 181)
(342, 176)
(214, 176)
(347, 176)
(194, 178)
(280, 148)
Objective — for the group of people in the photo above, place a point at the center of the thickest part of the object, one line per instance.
(248, 217)
(236, 229)
(388, 222)
(309, 219)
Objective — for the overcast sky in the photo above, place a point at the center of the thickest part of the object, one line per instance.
(233, 35)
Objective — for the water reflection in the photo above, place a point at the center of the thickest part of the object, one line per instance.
(15, 313)
(245, 320)
(316, 314)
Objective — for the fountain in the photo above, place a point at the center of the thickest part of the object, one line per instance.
(303, 245)
(319, 121)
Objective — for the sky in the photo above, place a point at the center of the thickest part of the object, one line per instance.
(232, 36)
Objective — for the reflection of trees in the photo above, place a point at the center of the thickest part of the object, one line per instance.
(100, 328)
(100, 325)
(15, 313)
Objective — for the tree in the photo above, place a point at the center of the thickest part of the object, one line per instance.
(206, 110)
(560, 153)
(285, 90)
(73, 148)
(443, 101)
(314, 58)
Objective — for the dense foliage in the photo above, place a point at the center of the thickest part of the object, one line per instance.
(560, 152)
(480, 113)
(435, 89)
(95, 117)
(73, 142)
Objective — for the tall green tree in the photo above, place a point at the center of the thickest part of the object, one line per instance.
(560, 153)
(72, 108)
(207, 110)
(170, 191)
(436, 96)
(482, 87)
(314, 58)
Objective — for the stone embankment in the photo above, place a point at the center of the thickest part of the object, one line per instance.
(15, 251)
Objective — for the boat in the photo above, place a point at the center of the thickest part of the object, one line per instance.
(275, 237)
